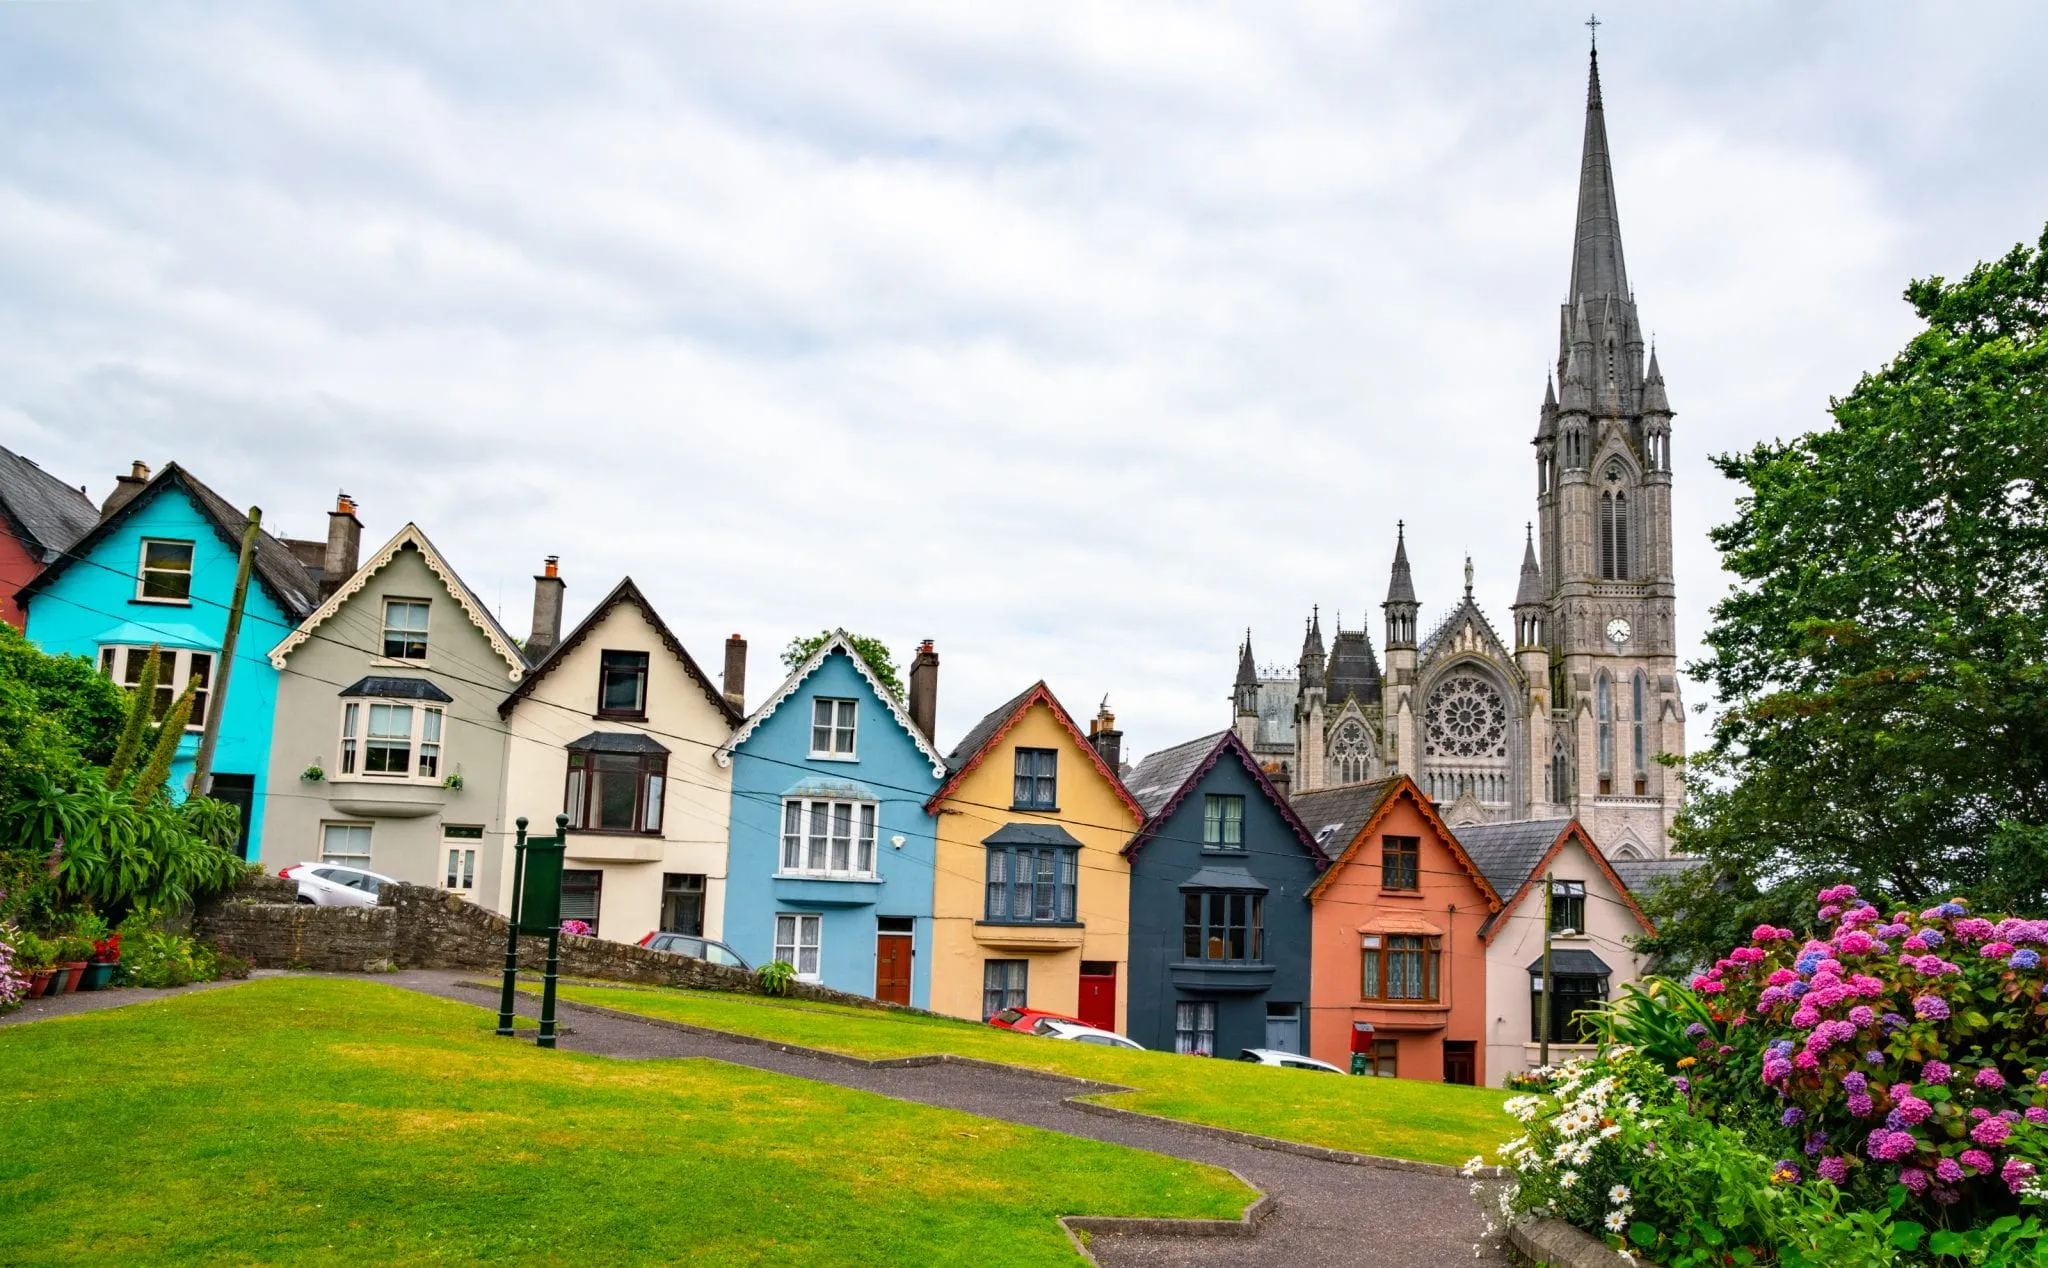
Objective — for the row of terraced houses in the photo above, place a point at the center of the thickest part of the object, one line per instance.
(380, 715)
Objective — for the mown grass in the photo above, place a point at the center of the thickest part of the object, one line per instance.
(336, 1120)
(1399, 1118)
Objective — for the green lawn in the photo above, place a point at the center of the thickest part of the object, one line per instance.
(341, 1120)
(1400, 1118)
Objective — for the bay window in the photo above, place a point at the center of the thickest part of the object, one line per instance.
(617, 783)
(1224, 926)
(1401, 968)
(1031, 886)
(390, 740)
(828, 838)
(175, 667)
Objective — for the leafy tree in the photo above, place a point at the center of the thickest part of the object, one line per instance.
(1883, 659)
(872, 650)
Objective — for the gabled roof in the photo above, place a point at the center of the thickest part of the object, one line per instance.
(1514, 855)
(1354, 810)
(408, 537)
(274, 567)
(1488, 638)
(984, 735)
(1167, 778)
(1644, 875)
(46, 513)
(624, 592)
(840, 642)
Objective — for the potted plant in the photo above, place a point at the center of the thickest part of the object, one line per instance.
(34, 960)
(73, 951)
(106, 956)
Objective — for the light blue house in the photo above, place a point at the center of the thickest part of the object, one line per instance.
(159, 569)
(831, 855)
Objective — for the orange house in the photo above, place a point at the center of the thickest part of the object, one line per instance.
(1398, 970)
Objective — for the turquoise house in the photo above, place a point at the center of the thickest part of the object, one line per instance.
(831, 851)
(159, 569)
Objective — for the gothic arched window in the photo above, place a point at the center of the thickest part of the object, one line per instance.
(1560, 772)
(1350, 753)
(1467, 738)
(1639, 694)
(1603, 697)
(1614, 526)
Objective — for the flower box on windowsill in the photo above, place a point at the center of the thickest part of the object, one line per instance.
(826, 890)
(1029, 936)
(1220, 975)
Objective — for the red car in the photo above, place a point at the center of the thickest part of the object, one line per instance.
(1027, 1019)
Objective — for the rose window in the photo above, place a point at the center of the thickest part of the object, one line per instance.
(1466, 718)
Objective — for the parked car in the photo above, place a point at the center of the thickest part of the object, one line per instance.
(1053, 1028)
(1026, 1019)
(1290, 1060)
(709, 950)
(331, 885)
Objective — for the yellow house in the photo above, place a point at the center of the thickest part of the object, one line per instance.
(1031, 901)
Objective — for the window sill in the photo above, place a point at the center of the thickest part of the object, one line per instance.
(163, 603)
(851, 878)
(613, 832)
(1405, 1005)
(1034, 810)
(1234, 851)
(1406, 894)
(834, 757)
(396, 662)
(602, 716)
(1030, 924)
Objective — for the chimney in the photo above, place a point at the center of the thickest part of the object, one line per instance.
(547, 610)
(1282, 780)
(125, 488)
(924, 690)
(1106, 740)
(736, 672)
(344, 542)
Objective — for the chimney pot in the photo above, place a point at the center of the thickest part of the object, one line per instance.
(736, 672)
(344, 542)
(924, 690)
(125, 488)
(547, 610)
(1106, 740)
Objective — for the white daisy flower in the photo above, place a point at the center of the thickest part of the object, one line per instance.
(1616, 1222)
(1473, 1165)
(1618, 1194)
(1568, 1179)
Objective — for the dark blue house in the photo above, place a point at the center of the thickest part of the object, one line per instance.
(1219, 910)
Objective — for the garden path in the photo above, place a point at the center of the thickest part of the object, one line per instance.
(1326, 1213)
(94, 1001)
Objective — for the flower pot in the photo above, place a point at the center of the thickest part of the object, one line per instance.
(58, 979)
(73, 971)
(39, 983)
(97, 974)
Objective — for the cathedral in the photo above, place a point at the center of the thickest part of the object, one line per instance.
(1570, 717)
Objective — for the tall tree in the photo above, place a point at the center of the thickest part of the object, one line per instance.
(1883, 659)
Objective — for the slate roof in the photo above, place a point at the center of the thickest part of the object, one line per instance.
(390, 688)
(1507, 852)
(1354, 671)
(1644, 875)
(1032, 834)
(839, 643)
(1333, 816)
(1570, 960)
(1162, 774)
(624, 592)
(38, 506)
(616, 742)
(978, 734)
(275, 568)
(1276, 712)
(1171, 774)
(1225, 877)
(982, 736)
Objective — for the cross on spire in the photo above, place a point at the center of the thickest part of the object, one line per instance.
(1593, 25)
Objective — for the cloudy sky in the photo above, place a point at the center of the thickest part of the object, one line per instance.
(1077, 337)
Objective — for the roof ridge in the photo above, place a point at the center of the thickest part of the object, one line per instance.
(838, 640)
(627, 590)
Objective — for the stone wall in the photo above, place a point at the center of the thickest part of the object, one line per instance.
(415, 927)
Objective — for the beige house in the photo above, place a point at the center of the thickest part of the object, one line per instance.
(1593, 917)
(387, 751)
(616, 726)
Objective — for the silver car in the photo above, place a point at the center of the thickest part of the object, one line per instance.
(1290, 1060)
(709, 950)
(332, 885)
(1053, 1028)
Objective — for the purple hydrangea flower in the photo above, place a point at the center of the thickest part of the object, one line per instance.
(1989, 1079)
(1914, 1179)
(1797, 989)
(1815, 1142)
(1855, 1081)
(2015, 1173)
(1930, 1008)
(1862, 1017)
(2037, 1116)
(1895, 1120)
(1874, 1057)
(1860, 1105)
(1936, 1072)
(1912, 1110)
(2024, 958)
(1933, 937)
(1695, 1030)
(1682, 1083)
(1948, 1171)
(1834, 1169)
(1977, 1159)
(1792, 1117)
(1991, 1133)
(1892, 1021)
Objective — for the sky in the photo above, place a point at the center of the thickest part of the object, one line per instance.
(1076, 337)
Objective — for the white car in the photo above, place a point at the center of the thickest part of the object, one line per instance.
(1053, 1028)
(332, 885)
(1289, 1060)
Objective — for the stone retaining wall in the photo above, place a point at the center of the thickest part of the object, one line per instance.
(416, 927)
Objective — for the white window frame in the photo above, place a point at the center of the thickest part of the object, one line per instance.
(142, 570)
(361, 862)
(818, 833)
(840, 727)
(459, 853)
(114, 656)
(388, 628)
(429, 731)
(797, 924)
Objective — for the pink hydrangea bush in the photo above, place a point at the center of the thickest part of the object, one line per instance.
(1910, 1047)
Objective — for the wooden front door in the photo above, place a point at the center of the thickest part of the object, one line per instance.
(892, 968)
(1098, 994)
(1460, 1061)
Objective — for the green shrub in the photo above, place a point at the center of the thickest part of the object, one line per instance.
(156, 957)
(775, 976)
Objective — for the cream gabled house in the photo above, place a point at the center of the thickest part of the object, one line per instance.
(387, 751)
(1594, 918)
(616, 726)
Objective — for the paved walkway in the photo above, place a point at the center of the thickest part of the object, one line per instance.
(1327, 1213)
(93, 1001)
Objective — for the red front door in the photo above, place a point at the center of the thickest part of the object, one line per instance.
(892, 968)
(1098, 994)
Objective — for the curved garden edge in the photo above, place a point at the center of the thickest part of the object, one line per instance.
(1245, 1225)
(1087, 1088)
(1561, 1245)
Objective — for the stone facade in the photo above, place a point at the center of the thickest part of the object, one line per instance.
(1569, 716)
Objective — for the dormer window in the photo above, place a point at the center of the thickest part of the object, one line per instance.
(832, 728)
(622, 684)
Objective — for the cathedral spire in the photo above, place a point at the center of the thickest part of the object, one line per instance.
(1312, 666)
(1531, 589)
(1247, 674)
(1597, 267)
(1654, 399)
(1401, 586)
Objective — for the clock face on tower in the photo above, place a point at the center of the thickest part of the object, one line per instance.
(1617, 631)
